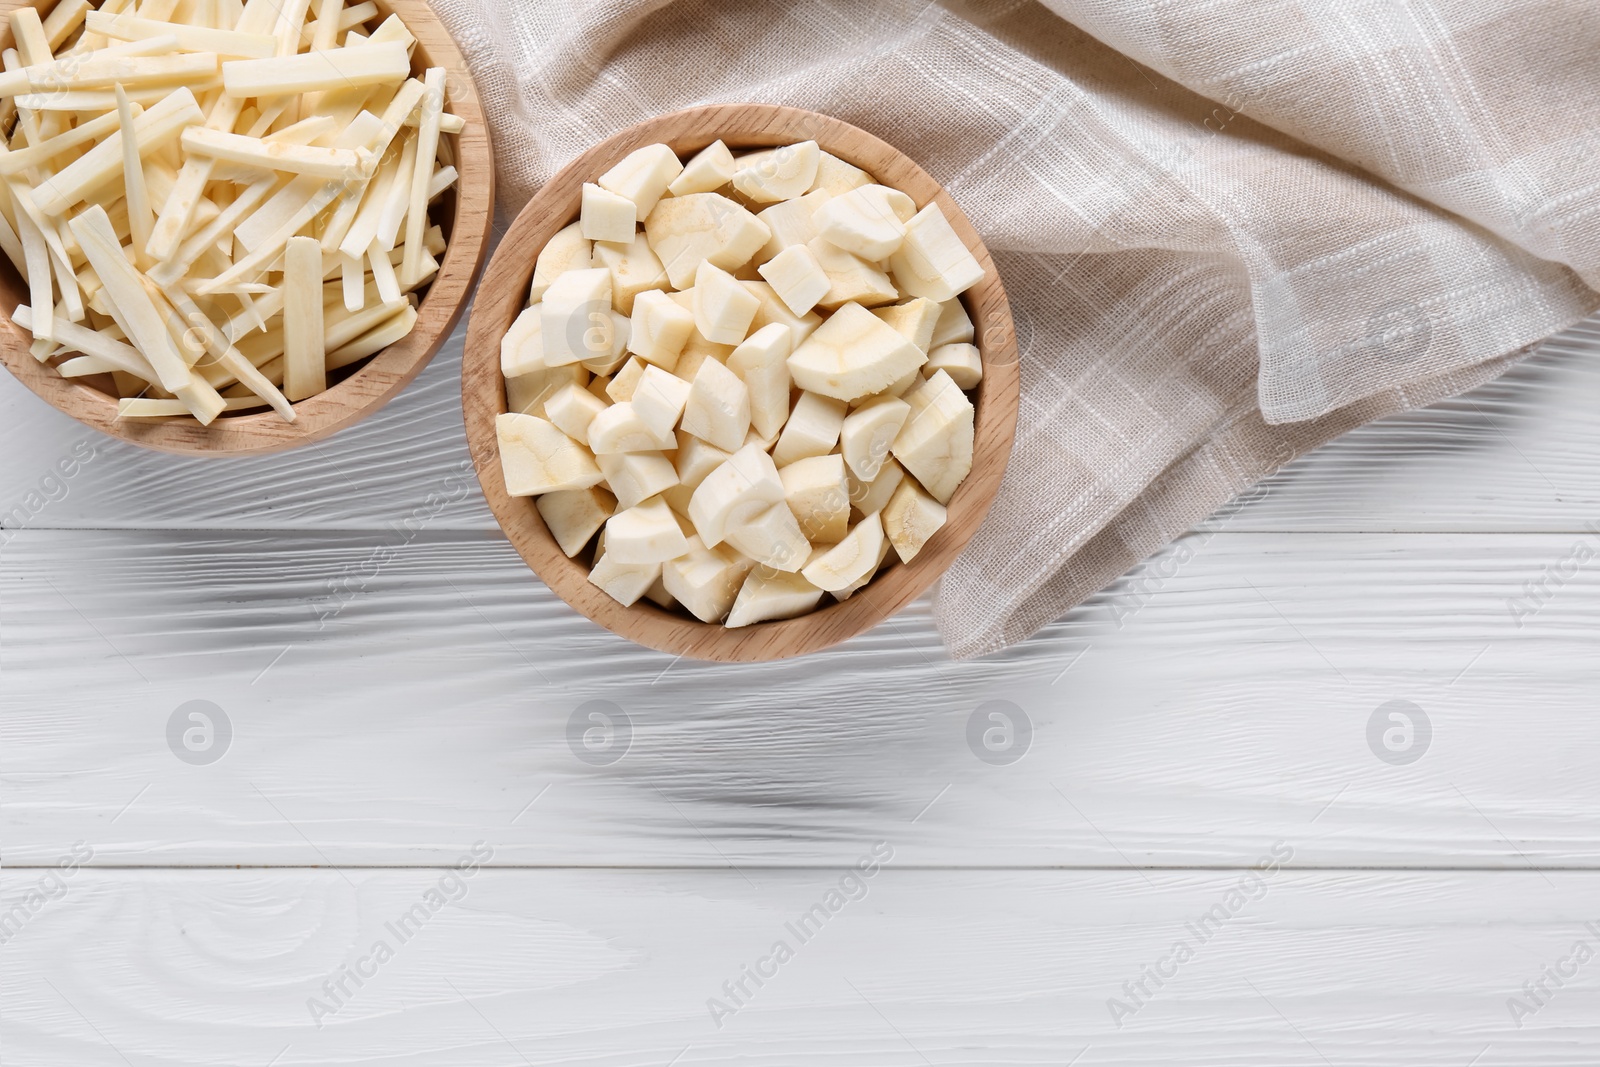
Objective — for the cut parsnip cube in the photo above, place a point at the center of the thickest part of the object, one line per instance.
(718, 407)
(527, 393)
(609, 362)
(914, 320)
(706, 580)
(659, 329)
(853, 354)
(851, 279)
(696, 352)
(709, 170)
(685, 231)
(625, 381)
(619, 428)
(522, 348)
(797, 278)
(305, 362)
(774, 310)
(812, 430)
(567, 250)
(781, 173)
(853, 558)
(762, 363)
(910, 518)
(623, 582)
(658, 595)
(767, 597)
(606, 216)
(772, 538)
(572, 409)
(535, 457)
(645, 533)
(792, 222)
(936, 443)
(737, 491)
(574, 516)
(867, 497)
(837, 177)
(637, 476)
(961, 361)
(933, 261)
(634, 269)
(868, 433)
(352, 67)
(817, 493)
(659, 399)
(576, 317)
(954, 325)
(723, 308)
(643, 177)
(869, 221)
(856, 586)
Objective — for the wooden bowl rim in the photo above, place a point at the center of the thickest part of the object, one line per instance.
(503, 294)
(385, 373)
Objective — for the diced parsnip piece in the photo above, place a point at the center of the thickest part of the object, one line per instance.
(933, 261)
(767, 596)
(706, 581)
(229, 43)
(619, 429)
(936, 443)
(659, 399)
(910, 518)
(529, 393)
(781, 173)
(761, 362)
(350, 67)
(427, 155)
(634, 269)
(606, 216)
(854, 557)
(954, 325)
(571, 409)
(723, 308)
(774, 310)
(816, 491)
(709, 170)
(837, 177)
(869, 431)
(914, 320)
(637, 476)
(156, 127)
(331, 163)
(622, 384)
(792, 222)
(659, 329)
(567, 250)
(643, 176)
(962, 362)
(718, 407)
(741, 488)
(645, 533)
(577, 317)
(852, 355)
(772, 538)
(685, 231)
(812, 430)
(535, 457)
(851, 279)
(797, 278)
(305, 368)
(574, 516)
(623, 582)
(522, 348)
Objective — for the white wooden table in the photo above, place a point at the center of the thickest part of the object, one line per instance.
(391, 694)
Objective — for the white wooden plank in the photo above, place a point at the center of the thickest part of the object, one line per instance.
(923, 967)
(1517, 454)
(384, 710)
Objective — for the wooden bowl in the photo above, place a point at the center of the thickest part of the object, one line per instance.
(464, 214)
(504, 293)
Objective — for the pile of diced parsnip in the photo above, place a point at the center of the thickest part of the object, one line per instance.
(755, 398)
(218, 203)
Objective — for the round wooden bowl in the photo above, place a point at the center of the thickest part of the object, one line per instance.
(464, 213)
(504, 293)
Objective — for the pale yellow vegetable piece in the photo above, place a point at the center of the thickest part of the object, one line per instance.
(705, 580)
(567, 250)
(718, 407)
(910, 518)
(535, 457)
(634, 269)
(427, 154)
(914, 320)
(723, 308)
(851, 279)
(637, 476)
(659, 329)
(792, 222)
(606, 216)
(797, 278)
(869, 221)
(933, 261)
(620, 429)
(867, 497)
(767, 596)
(854, 557)
(738, 490)
(869, 431)
(936, 443)
(574, 516)
(685, 231)
(817, 493)
(310, 160)
(812, 430)
(577, 317)
(762, 363)
(962, 362)
(305, 371)
(229, 43)
(781, 173)
(643, 177)
(771, 537)
(572, 408)
(709, 170)
(954, 325)
(853, 354)
(623, 582)
(350, 67)
(645, 533)
(659, 399)
(836, 177)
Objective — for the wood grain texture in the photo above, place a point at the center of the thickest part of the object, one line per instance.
(503, 296)
(1356, 969)
(394, 695)
(465, 213)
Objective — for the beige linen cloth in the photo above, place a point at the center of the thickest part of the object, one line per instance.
(1230, 229)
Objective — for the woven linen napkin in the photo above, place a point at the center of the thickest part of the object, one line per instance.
(1230, 229)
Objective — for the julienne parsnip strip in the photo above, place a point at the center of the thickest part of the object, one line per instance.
(216, 205)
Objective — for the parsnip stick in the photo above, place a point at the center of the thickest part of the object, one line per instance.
(95, 343)
(157, 126)
(368, 64)
(229, 44)
(422, 173)
(39, 155)
(141, 220)
(330, 163)
(305, 371)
